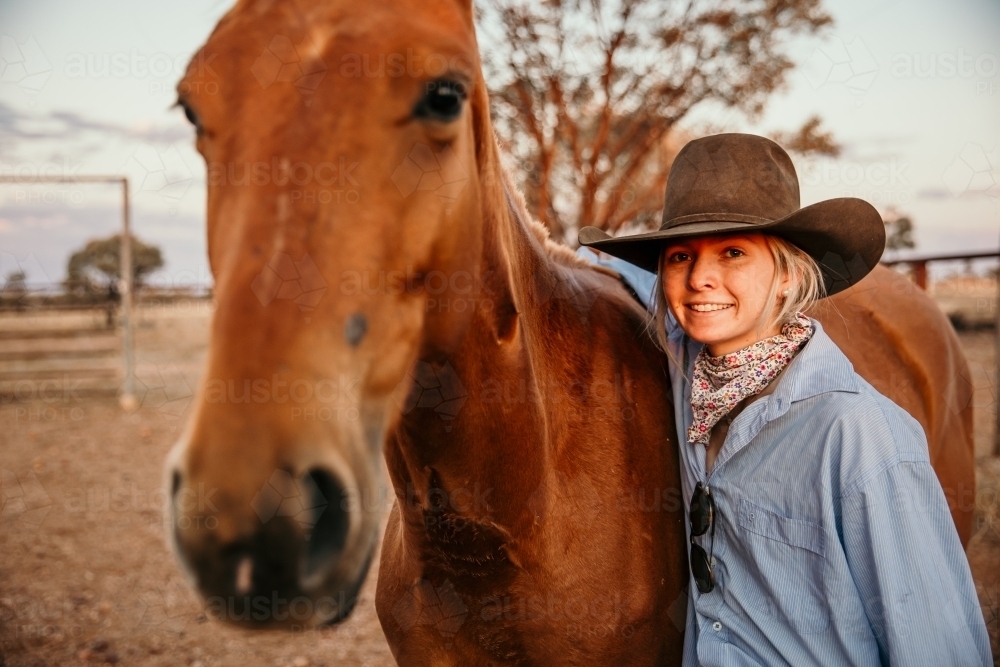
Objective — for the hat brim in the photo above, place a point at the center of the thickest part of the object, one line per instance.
(846, 237)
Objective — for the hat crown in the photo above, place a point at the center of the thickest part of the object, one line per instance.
(745, 176)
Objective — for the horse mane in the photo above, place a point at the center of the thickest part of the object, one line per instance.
(557, 252)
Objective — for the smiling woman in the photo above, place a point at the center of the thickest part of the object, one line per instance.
(731, 291)
(812, 501)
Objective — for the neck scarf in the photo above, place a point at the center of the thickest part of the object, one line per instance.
(720, 383)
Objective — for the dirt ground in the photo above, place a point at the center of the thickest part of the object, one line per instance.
(85, 573)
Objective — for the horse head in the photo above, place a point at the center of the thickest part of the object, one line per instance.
(342, 198)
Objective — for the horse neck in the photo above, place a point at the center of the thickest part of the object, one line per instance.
(496, 377)
(515, 256)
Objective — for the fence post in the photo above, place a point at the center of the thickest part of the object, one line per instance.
(996, 365)
(127, 398)
(920, 274)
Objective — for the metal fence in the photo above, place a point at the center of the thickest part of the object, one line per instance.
(57, 345)
(125, 286)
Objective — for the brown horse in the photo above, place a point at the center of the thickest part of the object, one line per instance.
(524, 415)
(381, 290)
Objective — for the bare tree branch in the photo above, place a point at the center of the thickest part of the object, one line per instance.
(589, 93)
(809, 140)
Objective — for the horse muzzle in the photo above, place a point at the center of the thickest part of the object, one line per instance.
(293, 555)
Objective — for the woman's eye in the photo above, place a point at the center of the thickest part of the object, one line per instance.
(679, 257)
(734, 252)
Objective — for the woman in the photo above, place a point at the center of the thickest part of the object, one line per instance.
(819, 532)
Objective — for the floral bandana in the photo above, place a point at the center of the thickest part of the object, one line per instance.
(720, 383)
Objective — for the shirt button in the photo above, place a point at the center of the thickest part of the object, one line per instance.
(751, 516)
(713, 561)
(717, 626)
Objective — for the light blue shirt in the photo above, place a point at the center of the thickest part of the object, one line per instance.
(833, 541)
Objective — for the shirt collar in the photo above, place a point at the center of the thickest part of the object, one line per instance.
(820, 367)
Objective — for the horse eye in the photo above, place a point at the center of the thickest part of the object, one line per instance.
(190, 114)
(442, 101)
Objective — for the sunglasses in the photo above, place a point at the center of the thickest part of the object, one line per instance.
(702, 518)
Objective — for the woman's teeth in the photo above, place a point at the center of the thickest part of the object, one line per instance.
(708, 307)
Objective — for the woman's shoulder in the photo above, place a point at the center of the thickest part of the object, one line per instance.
(849, 398)
(867, 433)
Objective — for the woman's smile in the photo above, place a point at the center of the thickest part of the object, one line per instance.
(708, 307)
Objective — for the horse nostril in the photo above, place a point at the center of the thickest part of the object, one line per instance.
(175, 484)
(332, 520)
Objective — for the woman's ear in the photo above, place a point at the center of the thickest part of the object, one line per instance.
(787, 283)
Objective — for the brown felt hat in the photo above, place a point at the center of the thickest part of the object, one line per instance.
(739, 183)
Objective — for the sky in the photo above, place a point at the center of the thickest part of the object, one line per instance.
(910, 89)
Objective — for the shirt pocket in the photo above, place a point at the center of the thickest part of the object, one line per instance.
(786, 567)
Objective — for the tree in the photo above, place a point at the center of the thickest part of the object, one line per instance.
(588, 94)
(898, 230)
(97, 267)
(14, 286)
(809, 140)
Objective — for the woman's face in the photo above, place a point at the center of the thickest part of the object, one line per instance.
(717, 288)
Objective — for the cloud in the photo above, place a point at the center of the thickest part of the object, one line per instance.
(68, 125)
(874, 148)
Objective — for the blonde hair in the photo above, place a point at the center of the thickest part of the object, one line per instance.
(806, 288)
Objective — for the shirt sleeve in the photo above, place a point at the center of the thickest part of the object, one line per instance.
(910, 570)
(642, 282)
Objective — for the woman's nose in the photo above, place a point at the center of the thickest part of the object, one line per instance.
(703, 273)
